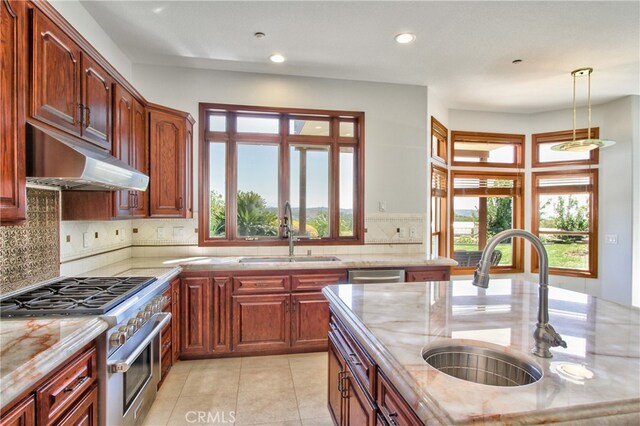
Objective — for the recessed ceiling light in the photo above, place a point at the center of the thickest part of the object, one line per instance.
(158, 9)
(404, 38)
(516, 61)
(259, 35)
(277, 58)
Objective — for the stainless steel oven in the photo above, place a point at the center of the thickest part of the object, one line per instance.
(133, 372)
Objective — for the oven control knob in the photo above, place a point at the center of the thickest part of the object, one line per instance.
(144, 315)
(128, 330)
(136, 323)
(118, 338)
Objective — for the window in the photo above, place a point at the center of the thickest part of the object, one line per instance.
(487, 149)
(439, 141)
(438, 211)
(483, 204)
(255, 159)
(543, 155)
(565, 205)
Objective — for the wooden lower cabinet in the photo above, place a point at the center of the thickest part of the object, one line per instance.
(85, 413)
(310, 320)
(353, 402)
(195, 316)
(67, 396)
(23, 414)
(428, 274)
(221, 322)
(261, 322)
(348, 402)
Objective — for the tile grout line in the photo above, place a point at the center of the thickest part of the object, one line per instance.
(295, 392)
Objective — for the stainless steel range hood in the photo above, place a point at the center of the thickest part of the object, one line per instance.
(56, 159)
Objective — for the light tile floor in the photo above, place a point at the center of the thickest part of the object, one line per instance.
(267, 390)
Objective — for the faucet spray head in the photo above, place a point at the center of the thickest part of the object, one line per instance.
(480, 279)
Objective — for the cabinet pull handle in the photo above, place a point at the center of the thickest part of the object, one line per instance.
(392, 418)
(354, 359)
(181, 203)
(80, 114)
(286, 306)
(87, 113)
(340, 382)
(261, 284)
(344, 393)
(135, 200)
(79, 381)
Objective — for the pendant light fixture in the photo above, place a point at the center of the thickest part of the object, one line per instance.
(582, 144)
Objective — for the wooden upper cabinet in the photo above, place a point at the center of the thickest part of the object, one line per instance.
(97, 95)
(122, 132)
(130, 146)
(13, 80)
(69, 89)
(170, 142)
(55, 84)
(139, 157)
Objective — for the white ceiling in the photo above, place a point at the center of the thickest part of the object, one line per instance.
(463, 50)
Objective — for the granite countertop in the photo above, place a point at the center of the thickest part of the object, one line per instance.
(597, 375)
(231, 263)
(32, 348)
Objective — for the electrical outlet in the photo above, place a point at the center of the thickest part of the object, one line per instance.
(413, 232)
(85, 239)
(178, 232)
(611, 238)
(162, 234)
(402, 232)
(382, 206)
(121, 234)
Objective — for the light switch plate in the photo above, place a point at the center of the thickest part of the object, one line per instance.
(85, 239)
(161, 233)
(178, 232)
(413, 232)
(611, 238)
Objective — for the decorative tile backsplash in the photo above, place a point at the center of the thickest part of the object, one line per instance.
(31, 251)
(394, 228)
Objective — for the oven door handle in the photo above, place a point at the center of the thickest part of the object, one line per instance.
(123, 365)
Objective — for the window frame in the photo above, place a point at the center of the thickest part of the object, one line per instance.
(441, 133)
(232, 138)
(516, 140)
(517, 259)
(444, 205)
(592, 272)
(562, 136)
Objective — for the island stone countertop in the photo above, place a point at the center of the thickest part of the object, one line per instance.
(595, 380)
(32, 348)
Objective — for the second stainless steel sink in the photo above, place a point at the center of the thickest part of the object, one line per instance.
(288, 259)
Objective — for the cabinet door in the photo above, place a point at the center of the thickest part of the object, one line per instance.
(96, 99)
(222, 314)
(175, 320)
(358, 409)
(310, 320)
(85, 412)
(261, 322)
(336, 370)
(122, 135)
(55, 84)
(23, 414)
(168, 173)
(139, 157)
(196, 316)
(13, 74)
(393, 406)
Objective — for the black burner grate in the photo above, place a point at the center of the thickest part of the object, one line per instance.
(74, 296)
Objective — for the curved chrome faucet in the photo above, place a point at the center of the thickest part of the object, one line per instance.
(544, 335)
(287, 226)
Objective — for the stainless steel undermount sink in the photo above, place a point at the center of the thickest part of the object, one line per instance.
(288, 259)
(482, 365)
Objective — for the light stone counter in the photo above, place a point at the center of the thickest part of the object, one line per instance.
(32, 348)
(395, 322)
(232, 263)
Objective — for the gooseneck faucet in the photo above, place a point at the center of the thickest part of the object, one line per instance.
(287, 226)
(544, 335)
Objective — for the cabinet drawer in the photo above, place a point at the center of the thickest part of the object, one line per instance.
(362, 366)
(261, 284)
(393, 407)
(308, 282)
(23, 414)
(435, 275)
(165, 340)
(85, 412)
(66, 387)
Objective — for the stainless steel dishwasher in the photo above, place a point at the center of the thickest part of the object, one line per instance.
(378, 276)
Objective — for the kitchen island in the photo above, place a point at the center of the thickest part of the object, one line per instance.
(595, 380)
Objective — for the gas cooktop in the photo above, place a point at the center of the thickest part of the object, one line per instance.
(74, 296)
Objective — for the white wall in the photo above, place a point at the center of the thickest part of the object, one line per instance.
(635, 113)
(82, 21)
(395, 119)
(616, 120)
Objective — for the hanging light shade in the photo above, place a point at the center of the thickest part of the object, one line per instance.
(582, 144)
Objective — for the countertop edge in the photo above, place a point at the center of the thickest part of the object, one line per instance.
(48, 360)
